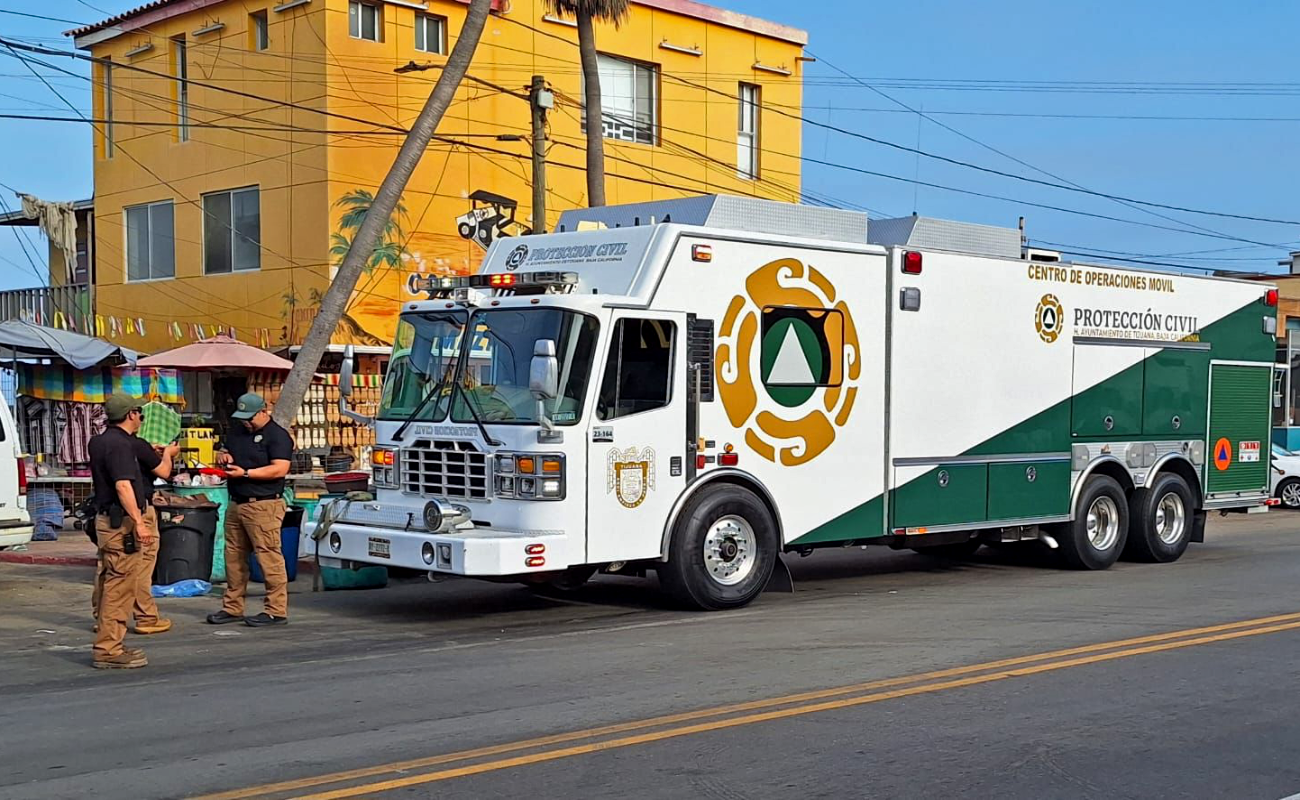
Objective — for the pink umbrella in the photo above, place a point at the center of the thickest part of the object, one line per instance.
(219, 352)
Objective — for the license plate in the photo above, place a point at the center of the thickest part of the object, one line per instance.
(380, 548)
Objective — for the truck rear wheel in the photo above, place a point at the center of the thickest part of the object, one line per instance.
(1096, 536)
(723, 550)
(1162, 520)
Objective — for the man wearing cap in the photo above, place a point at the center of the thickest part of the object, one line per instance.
(121, 468)
(257, 458)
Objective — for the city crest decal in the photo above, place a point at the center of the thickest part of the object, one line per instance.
(630, 474)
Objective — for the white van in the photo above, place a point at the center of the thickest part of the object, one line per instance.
(15, 523)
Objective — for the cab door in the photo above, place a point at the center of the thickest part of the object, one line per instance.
(637, 445)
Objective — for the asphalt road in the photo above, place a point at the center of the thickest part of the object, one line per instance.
(884, 675)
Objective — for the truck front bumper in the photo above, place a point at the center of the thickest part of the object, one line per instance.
(16, 535)
(471, 552)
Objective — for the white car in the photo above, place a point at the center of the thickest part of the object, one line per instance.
(1285, 477)
(15, 523)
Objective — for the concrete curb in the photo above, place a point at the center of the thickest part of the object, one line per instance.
(20, 557)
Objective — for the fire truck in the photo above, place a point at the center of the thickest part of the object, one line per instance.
(700, 387)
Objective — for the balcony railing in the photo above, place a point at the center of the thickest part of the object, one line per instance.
(47, 305)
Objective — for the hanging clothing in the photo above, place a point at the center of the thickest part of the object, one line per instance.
(84, 421)
(41, 433)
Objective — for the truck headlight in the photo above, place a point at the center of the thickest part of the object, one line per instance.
(528, 476)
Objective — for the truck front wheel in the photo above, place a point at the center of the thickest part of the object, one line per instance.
(1096, 536)
(723, 550)
(1162, 520)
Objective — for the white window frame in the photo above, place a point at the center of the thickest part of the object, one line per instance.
(422, 22)
(261, 30)
(356, 24)
(618, 126)
(230, 225)
(750, 107)
(126, 241)
(180, 54)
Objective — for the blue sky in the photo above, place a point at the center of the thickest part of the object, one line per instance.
(1187, 61)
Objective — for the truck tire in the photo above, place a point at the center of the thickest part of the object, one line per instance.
(1095, 538)
(723, 550)
(1288, 491)
(1161, 520)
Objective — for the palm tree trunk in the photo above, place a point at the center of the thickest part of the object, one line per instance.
(595, 111)
(333, 304)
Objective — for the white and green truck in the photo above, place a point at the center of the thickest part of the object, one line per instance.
(696, 387)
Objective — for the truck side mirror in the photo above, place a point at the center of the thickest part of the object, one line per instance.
(544, 371)
(345, 372)
(345, 389)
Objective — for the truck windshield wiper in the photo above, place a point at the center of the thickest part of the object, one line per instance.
(473, 412)
(415, 412)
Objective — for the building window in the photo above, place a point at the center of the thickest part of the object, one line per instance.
(108, 107)
(628, 92)
(182, 72)
(259, 31)
(639, 372)
(747, 148)
(150, 249)
(431, 34)
(232, 230)
(363, 21)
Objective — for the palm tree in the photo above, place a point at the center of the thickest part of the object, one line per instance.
(357, 204)
(379, 215)
(587, 12)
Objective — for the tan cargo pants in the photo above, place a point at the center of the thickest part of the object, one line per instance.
(144, 609)
(255, 527)
(120, 576)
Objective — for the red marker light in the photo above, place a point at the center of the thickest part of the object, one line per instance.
(912, 263)
(728, 459)
(535, 549)
(702, 253)
(535, 561)
(1270, 297)
(700, 461)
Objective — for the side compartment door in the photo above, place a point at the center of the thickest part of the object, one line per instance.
(1237, 453)
(637, 444)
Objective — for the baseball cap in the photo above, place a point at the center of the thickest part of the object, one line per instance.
(248, 405)
(118, 406)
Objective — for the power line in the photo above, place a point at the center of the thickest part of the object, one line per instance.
(945, 159)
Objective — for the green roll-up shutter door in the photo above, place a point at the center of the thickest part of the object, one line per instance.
(1239, 412)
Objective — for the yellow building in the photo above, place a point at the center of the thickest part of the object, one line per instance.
(238, 140)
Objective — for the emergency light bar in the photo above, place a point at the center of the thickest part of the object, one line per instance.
(442, 287)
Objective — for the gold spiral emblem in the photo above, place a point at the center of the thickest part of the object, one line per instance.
(787, 362)
(1049, 318)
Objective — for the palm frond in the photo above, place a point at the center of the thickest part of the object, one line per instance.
(612, 11)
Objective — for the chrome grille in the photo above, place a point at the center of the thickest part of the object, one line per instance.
(445, 468)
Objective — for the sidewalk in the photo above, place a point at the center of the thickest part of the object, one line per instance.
(72, 549)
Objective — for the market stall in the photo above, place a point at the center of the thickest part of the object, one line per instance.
(62, 379)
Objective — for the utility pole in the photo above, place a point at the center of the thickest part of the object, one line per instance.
(541, 100)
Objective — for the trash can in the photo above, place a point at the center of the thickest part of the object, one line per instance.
(185, 536)
(289, 531)
(217, 494)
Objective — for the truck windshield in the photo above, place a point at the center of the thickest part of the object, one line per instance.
(431, 349)
(498, 353)
(426, 351)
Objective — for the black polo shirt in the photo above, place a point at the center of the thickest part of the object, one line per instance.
(116, 455)
(253, 449)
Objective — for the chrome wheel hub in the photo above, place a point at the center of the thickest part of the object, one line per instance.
(1171, 518)
(1103, 523)
(730, 548)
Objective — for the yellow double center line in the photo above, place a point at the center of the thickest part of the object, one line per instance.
(534, 751)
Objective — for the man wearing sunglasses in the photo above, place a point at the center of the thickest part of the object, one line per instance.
(122, 467)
